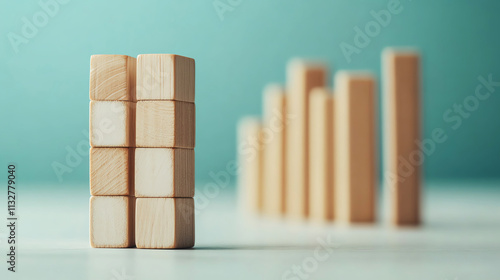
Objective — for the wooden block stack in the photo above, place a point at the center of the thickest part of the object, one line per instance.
(112, 140)
(164, 158)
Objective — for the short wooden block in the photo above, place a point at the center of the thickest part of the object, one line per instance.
(274, 130)
(112, 124)
(165, 77)
(302, 77)
(321, 149)
(112, 221)
(112, 77)
(164, 223)
(165, 124)
(111, 171)
(355, 150)
(164, 172)
(401, 76)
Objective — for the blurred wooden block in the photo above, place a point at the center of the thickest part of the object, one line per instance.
(112, 221)
(165, 77)
(111, 171)
(274, 130)
(112, 124)
(165, 124)
(402, 133)
(302, 77)
(165, 223)
(355, 150)
(112, 77)
(250, 165)
(321, 149)
(164, 172)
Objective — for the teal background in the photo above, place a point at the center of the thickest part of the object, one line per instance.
(44, 87)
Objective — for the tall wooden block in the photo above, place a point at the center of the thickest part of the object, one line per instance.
(165, 77)
(321, 149)
(355, 147)
(402, 133)
(164, 172)
(112, 124)
(112, 77)
(302, 77)
(165, 223)
(165, 124)
(112, 221)
(250, 162)
(273, 134)
(111, 171)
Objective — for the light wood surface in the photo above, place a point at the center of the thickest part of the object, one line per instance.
(165, 77)
(112, 221)
(164, 223)
(165, 124)
(321, 149)
(112, 77)
(302, 77)
(403, 157)
(111, 171)
(355, 150)
(164, 172)
(112, 124)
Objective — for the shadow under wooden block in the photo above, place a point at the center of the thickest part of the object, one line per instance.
(164, 172)
(112, 221)
(112, 124)
(111, 171)
(164, 223)
(112, 77)
(165, 124)
(165, 77)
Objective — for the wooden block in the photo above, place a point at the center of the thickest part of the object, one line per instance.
(273, 134)
(164, 223)
(112, 124)
(321, 149)
(355, 150)
(165, 77)
(111, 171)
(165, 124)
(112, 77)
(112, 221)
(302, 77)
(164, 172)
(250, 162)
(402, 133)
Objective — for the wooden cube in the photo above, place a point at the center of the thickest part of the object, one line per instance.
(112, 221)
(165, 77)
(164, 223)
(165, 124)
(112, 77)
(112, 124)
(164, 172)
(111, 171)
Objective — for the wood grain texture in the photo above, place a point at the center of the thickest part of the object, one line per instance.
(112, 221)
(321, 149)
(401, 74)
(274, 144)
(302, 77)
(112, 124)
(112, 77)
(164, 172)
(164, 223)
(111, 171)
(165, 124)
(355, 150)
(165, 77)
